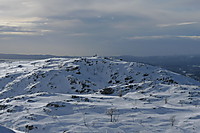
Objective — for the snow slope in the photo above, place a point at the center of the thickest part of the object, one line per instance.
(95, 94)
(5, 130)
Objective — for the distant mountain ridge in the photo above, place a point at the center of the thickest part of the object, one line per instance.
(23, 56)
(164, 60)
(185, 64)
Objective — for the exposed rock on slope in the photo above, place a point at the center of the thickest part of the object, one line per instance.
(83, 76)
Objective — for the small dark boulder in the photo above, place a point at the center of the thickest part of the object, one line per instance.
(107, 91)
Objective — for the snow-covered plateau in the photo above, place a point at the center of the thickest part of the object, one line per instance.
(96, 95)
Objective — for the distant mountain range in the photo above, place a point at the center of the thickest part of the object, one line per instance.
(185, 65)
(165, 60)
(22, 56)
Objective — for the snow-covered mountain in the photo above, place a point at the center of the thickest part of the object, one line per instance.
(95, 94)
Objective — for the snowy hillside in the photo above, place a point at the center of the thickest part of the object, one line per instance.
(94, 94)
(5, 130)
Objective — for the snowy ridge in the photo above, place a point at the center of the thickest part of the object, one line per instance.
(82, 75)
(95, 94)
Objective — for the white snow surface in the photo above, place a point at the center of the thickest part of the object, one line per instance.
(5, 130)
(97, 95)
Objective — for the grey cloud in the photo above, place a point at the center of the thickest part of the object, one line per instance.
(23, 26)
(177, 24)
(190, 37)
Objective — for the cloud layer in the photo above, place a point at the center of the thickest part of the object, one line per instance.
(106, 27)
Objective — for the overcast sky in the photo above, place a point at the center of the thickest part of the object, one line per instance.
(103, 27)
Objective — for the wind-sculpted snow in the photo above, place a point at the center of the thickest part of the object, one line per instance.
(94, 94)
